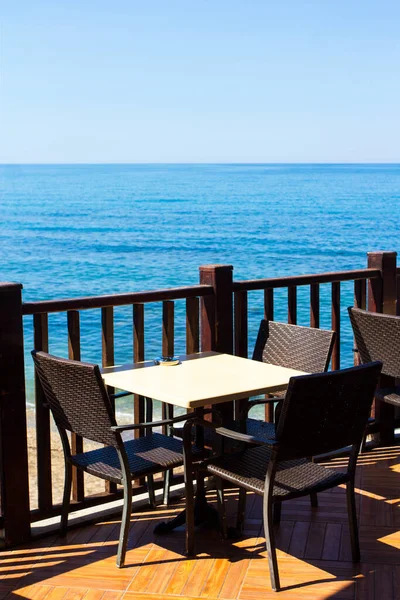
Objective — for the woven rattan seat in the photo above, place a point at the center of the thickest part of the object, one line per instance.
(79, 402)
(148, 454)
(377, 337)
(293, 478)
(320, 413)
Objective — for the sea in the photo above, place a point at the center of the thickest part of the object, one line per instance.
(82, 230)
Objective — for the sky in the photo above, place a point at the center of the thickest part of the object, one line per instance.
(94, 81)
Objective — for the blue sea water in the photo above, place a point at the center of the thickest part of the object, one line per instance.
(74, 230)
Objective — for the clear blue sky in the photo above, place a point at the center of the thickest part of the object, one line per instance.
(200, 81)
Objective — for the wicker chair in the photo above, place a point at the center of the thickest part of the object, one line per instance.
(320, 413)
(377, 337)
(79, 402)
(292, 346)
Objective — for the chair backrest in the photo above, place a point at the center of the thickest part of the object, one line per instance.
(303, 348)
(77, 397)
(326, 411)
(377, 338)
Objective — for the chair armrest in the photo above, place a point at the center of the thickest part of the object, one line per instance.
(223, 431)
(252, 403)
(131, 426)
(187, 417)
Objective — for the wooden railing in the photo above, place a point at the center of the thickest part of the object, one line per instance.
(72, 307)
(216, 318)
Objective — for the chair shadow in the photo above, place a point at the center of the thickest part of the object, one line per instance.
(379, 522)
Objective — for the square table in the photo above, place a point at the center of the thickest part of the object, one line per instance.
(199, 380)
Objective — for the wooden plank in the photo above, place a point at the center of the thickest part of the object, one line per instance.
(336, 325)
(48, 306)
(382, 291)
(217, 317)
(168, 349)
(138, 356)
(43, 439)
(292, 305)
(314, 305)
(192, 325)
(360, 299)
(74, 352)
(333, 536)
(241, 324)
(14, 484)
(269, 304)
(241, 339)
(107, 344)
(269, 315)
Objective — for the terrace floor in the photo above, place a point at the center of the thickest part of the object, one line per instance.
(314, 552)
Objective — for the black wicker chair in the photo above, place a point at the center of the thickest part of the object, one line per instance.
(79, 402)
(320, 413)
(377, 337)
(302, 348)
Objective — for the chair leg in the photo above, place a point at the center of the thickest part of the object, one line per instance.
(166, 486)
(66, 498)
(189, 510)
(270, 543)
(277, 510)
(150, 488)
(241, 510)
(351, 509)
(125, 522)
(221, 506)
(314, 500)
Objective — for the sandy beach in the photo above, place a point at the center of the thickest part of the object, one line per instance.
(93, 485)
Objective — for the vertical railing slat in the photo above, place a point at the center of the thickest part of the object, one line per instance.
(360, 300)
(240, 338)
(168, 319)
(241, 323)
(107, 344)
(192, 325)
(269, 315)
(269, 304)
(43, 431)
(138, 356)
(292, 305)
(314, 305)
(336, 324)
(74, 352)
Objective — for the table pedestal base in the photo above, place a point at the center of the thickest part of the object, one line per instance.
(204, 514)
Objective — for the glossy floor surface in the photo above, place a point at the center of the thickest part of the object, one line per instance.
(314, 552)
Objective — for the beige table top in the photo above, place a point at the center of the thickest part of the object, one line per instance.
(200, 379)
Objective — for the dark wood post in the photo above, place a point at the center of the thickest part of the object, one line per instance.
(14, 486)
(217, 317)
(217, 310)
(382, 293)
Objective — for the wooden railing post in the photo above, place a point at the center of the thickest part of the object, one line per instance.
(14, 486)
(382, 294)
(217, 310)
(382, 291)
(217, 317)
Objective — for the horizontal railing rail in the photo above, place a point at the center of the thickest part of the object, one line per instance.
(64, 304)
(299, 280)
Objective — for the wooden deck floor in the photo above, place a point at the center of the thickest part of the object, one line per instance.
(314, 552)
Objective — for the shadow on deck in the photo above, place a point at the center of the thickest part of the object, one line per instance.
(314, 552)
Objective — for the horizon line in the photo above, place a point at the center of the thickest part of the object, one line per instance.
(199, 163)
